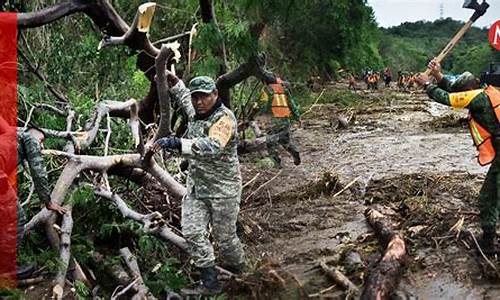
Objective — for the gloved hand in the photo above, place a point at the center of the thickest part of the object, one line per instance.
(168, 143)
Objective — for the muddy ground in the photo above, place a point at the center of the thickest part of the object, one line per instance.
(410, 158)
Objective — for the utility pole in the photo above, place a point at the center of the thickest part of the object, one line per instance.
(441, 11)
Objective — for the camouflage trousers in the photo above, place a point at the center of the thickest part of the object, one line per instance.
(489, 197)
(221, 214)
(277, 136)
(21, 220)
(280, 135)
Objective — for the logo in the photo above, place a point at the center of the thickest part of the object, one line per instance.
(494, 35)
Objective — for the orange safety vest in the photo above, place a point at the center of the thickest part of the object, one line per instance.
(482, 138)
(279, 106)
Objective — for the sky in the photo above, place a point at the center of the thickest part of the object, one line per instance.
(394, 12)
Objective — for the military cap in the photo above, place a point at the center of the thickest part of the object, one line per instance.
(463, 82)
(202, 84)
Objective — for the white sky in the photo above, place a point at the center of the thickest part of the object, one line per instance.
(394, 12)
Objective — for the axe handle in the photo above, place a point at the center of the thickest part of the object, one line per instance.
(451, 44)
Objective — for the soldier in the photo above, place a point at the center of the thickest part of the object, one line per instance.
(29, 145)
(279, 104)
(352, 81)
(214, 180)
(387, 76)
(484, 111)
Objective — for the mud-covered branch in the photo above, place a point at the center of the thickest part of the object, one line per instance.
(340, 278)
(384, 279)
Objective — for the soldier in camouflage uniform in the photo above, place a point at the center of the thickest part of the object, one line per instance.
(484, 111)
(278, 106)
(29, 145)
(29, 149)
(214, 180)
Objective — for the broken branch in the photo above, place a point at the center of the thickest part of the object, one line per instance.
(339, 278)
(384, 278)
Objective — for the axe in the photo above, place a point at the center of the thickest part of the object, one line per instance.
(479, 10)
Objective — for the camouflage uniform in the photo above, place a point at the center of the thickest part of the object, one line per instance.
(278, 131)
(481, 110)
(29, 149)
(213, 183)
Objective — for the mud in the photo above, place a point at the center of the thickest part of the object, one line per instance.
(412, 158)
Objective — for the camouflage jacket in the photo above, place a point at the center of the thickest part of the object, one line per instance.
(28, 149)
(210, 147)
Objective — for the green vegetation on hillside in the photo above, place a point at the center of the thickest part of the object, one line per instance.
(410, 46)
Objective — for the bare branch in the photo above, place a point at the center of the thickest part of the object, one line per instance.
(131, 262)
(50, 14)
(163, 94)
(100, 11)
(79, 163)
(65, 254)
(384, 278)
(152, 223)
(172, 38)
(43, 78)
(253, 67)
(136, 37)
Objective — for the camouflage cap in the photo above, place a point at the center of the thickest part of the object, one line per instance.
(202, 84)
(463, 82)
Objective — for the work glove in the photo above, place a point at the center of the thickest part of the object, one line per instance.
(169, 143)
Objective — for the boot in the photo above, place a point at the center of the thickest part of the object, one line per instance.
(25, 272)
(296, 157)
(235, 269)
(209, 286)
(277, 161)
(488, 242)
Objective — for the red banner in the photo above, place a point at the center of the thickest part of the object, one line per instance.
(8, 149)
(494, 35)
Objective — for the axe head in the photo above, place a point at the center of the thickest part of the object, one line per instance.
(472, 4)
(479, 9)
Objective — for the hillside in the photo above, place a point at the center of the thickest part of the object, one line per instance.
(410, 45)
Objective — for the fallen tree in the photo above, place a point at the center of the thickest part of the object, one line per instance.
(154, 109)
(384, 279)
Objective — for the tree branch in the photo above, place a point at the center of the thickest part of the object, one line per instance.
(131, 262)
(136, 37)
(152, 223)
(163, 94)
(65, 254)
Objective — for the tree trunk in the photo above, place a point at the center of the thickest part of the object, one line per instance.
(384, 279)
